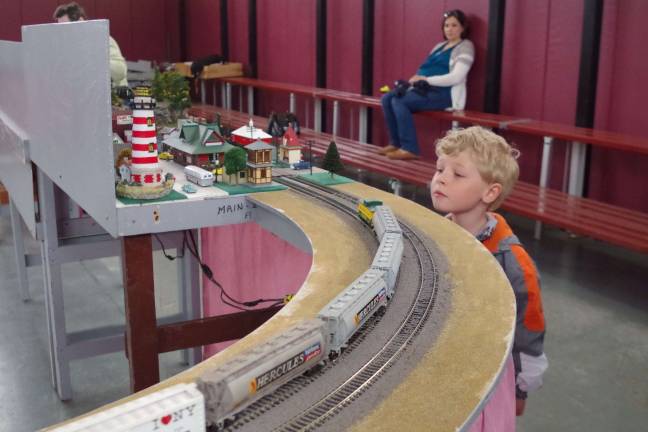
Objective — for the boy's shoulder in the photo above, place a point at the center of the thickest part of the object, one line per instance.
(498, 236)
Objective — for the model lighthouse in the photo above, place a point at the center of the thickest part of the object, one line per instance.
(145, 168)
(146, 178)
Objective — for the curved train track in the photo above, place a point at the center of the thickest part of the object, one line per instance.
(367, 375)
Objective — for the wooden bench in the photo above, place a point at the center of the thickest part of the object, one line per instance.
(613, 224)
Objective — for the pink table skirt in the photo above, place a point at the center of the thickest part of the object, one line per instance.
(250, 263)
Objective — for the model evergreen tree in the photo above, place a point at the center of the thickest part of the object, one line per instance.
(235, 160)
(332, 162)
(173, 88)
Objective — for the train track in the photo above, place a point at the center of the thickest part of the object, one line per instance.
(368, 374)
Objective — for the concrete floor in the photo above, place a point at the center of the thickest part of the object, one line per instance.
(595, 300)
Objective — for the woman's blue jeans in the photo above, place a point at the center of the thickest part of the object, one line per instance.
(398, 114)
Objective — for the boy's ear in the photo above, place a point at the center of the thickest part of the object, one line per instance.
(492, 193)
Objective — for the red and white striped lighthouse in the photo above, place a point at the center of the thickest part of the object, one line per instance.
(145, 168)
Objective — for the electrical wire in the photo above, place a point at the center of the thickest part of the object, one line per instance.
(224, 296)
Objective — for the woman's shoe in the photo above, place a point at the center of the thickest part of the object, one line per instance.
(385, 150)
(401, 154)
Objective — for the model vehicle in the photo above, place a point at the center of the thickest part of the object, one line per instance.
(198, 175)
(259, 370)
(366, 210)
(384, 221)
(165, 156)
(189, 188)
(301, 165)
(350, 309)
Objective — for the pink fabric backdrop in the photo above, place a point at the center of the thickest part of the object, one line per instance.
(499, 413)
(250, 263)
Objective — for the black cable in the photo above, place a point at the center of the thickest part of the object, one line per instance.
(230, 301)
(167, 256)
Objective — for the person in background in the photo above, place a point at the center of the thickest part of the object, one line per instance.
(476, 170)
(439, 84)
(74, 12)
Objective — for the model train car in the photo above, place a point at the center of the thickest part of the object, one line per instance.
(350, 309)
(366, 210)
(258, 371)
(389, 256)
(384, 221)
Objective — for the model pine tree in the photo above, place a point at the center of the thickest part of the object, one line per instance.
(332, 162)
(235, 161)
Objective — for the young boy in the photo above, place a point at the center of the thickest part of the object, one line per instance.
(476, 170)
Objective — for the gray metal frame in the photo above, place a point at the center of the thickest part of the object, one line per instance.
(56, 113)
(15, 163)
(88, 244)
(70, 115)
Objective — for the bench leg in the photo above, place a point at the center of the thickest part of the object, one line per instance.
(224, 97)
(577, 168)
(292, 106)
(251, 100)
(544, 178)
(336, 117)
(19, 251)
(396, 186)
(362, 125)
(317, 112)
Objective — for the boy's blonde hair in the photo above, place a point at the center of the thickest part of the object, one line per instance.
(494, 157)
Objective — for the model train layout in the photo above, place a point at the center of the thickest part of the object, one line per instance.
(305, 345)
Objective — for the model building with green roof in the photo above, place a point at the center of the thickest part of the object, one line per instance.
(200, 144)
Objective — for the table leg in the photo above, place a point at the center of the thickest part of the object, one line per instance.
(139, 300)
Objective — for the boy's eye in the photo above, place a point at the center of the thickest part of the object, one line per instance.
(458, 174)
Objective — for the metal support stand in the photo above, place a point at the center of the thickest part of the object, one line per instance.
(396, 186)
(203, 92)
(223, 95)
(19, 251)
(577, 169)
(544, 180)
(54, 307)
(292, 107)
(317, 112)
(191, 299)
(251, 101)
(228, 96)
(455, 125)
(336, 117)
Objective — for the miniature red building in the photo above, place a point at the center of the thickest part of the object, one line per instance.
(248, 134)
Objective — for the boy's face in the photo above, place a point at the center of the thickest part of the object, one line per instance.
(457, 187)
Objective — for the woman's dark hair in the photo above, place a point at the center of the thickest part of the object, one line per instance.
(73, 11)
(461, 17)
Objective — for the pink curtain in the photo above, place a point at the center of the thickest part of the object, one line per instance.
(250, 263)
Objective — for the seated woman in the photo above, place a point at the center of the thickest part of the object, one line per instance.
(439, 84)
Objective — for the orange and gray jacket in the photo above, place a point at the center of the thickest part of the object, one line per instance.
(528, 346)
